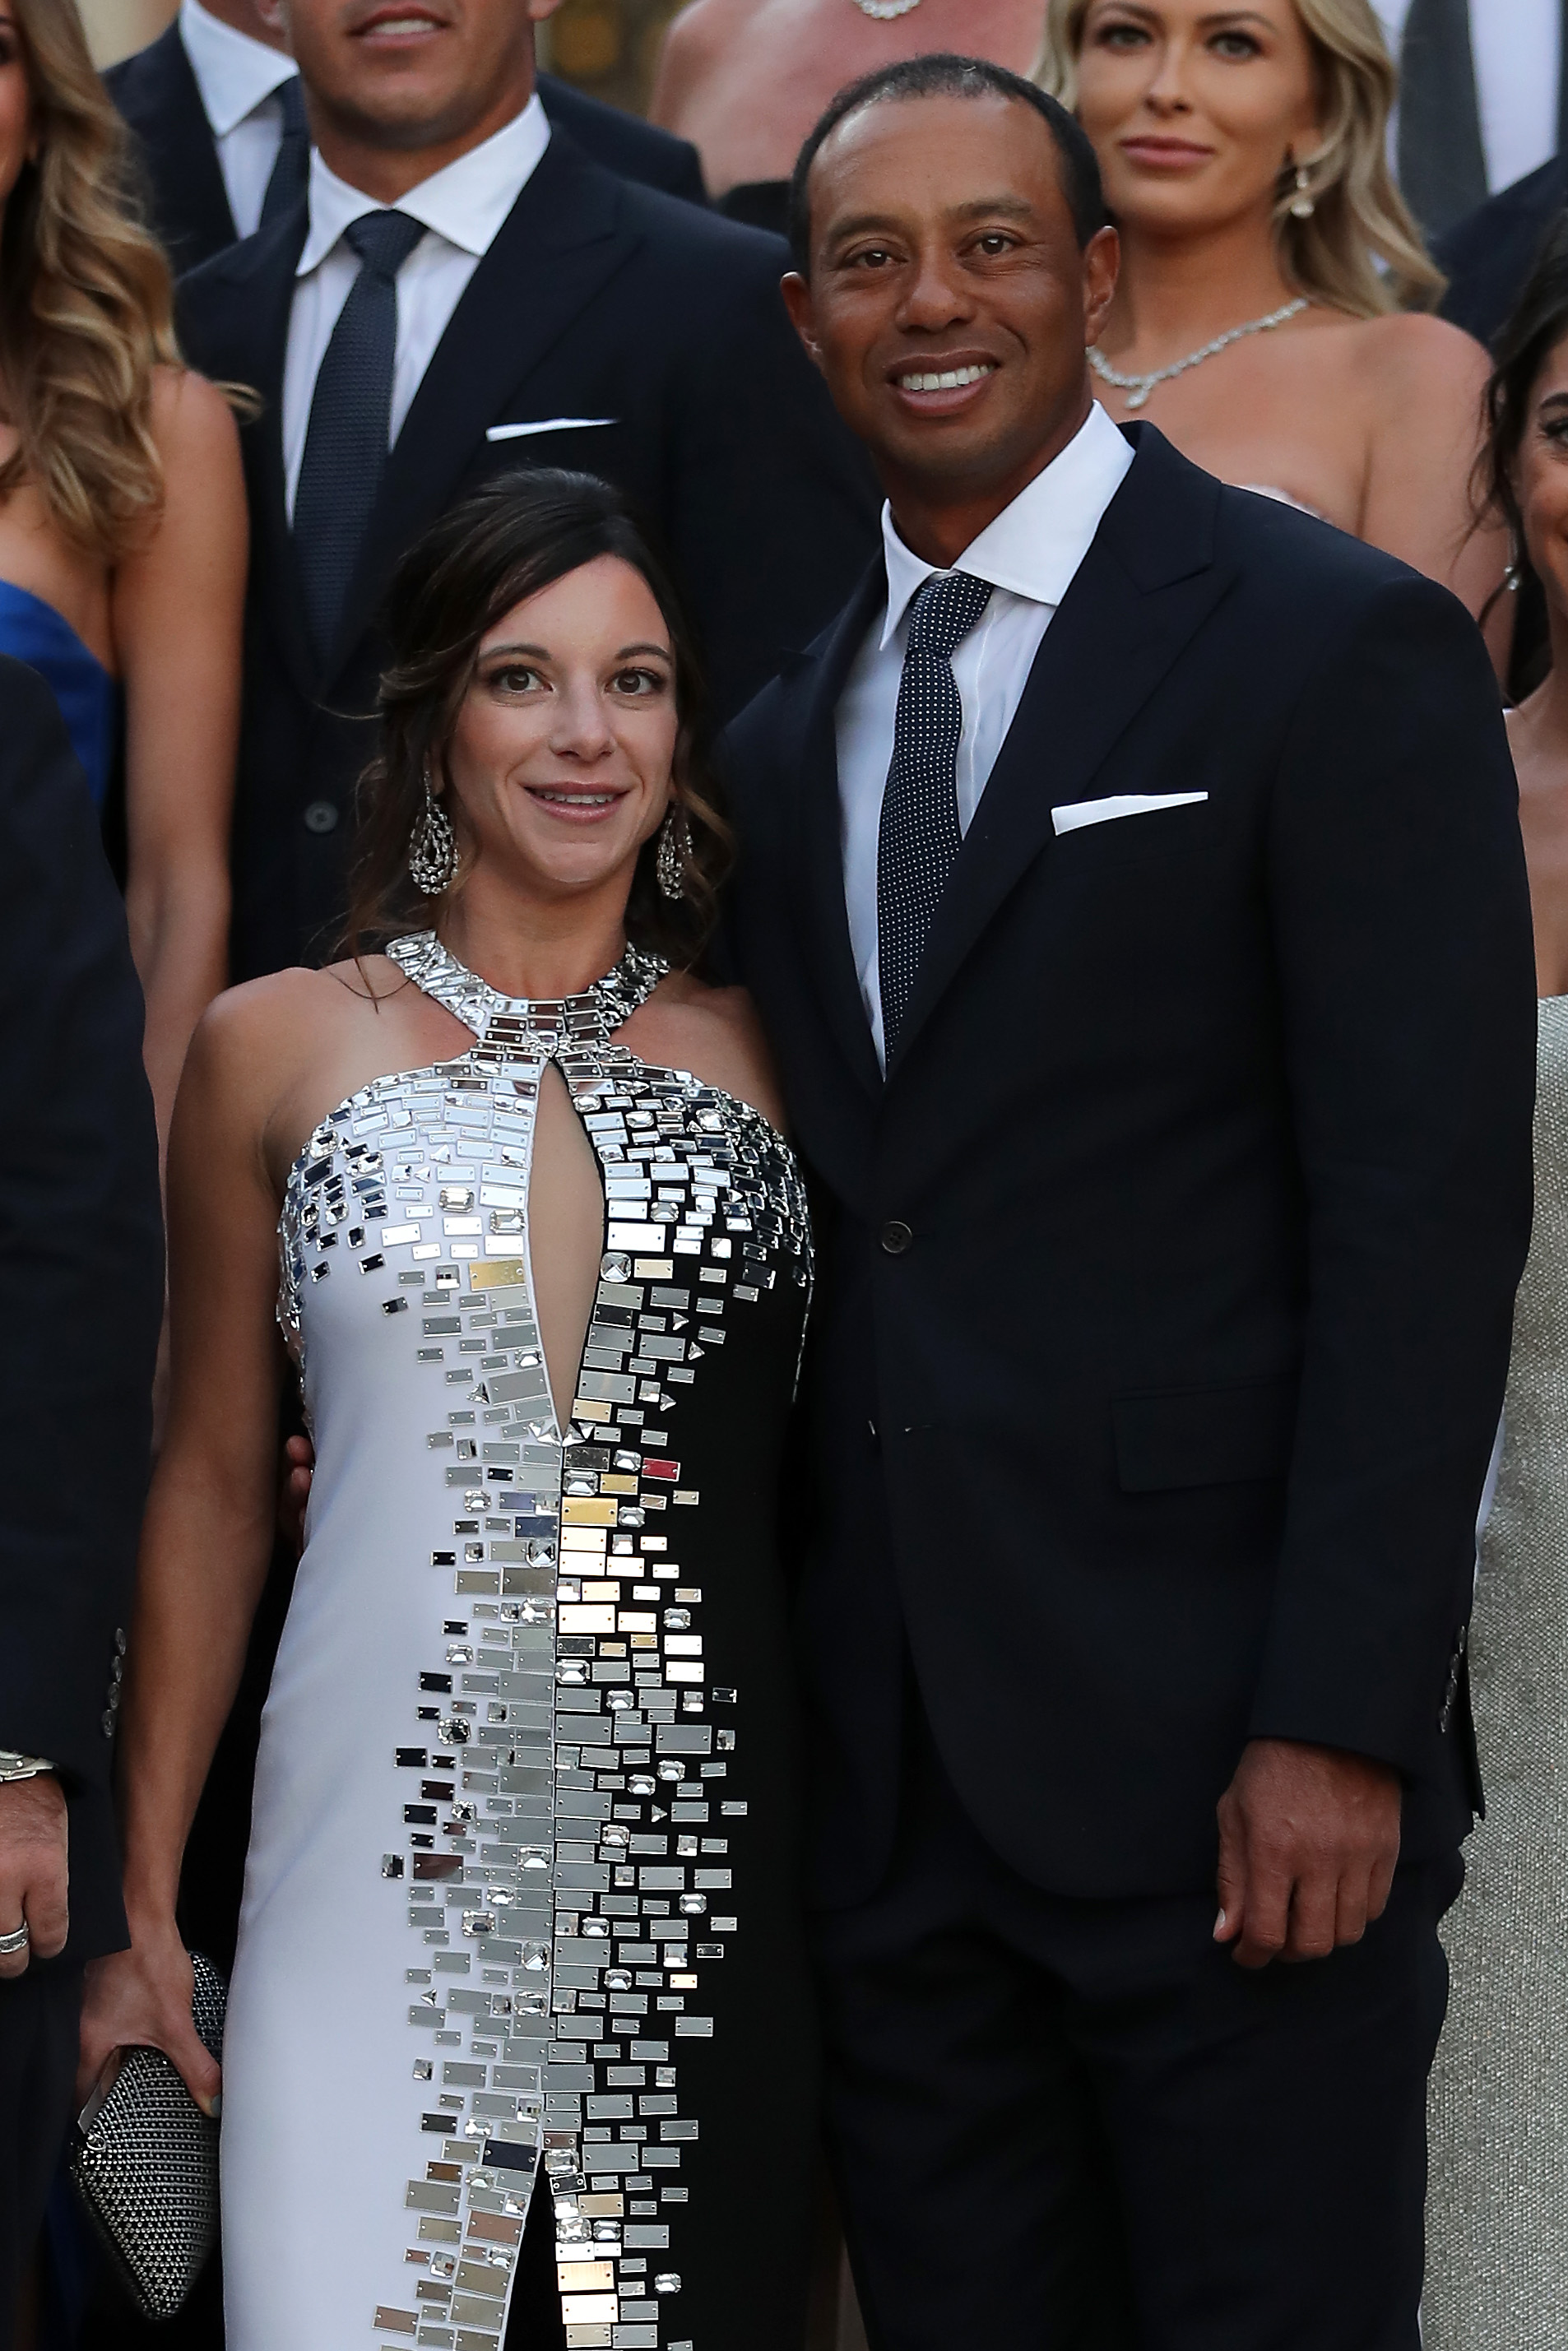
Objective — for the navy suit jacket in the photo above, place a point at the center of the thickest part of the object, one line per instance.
(158, 97)
(81, 1258)
(1166, 1280)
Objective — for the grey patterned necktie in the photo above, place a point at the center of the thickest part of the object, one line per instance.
(351, 422)
(919, 835)
(291, 172)
(1442, 163)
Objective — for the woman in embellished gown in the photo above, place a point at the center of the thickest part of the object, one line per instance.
(122, 520)
(1497, 2215)
(1264, 315)
(519, 1928)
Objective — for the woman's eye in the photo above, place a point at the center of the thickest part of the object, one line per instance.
(1236, 46)
(1555, 430)
(515, 679)
(641, 681)
(1121, 36)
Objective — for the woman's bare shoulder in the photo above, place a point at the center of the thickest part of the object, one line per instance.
(191, 420)
(1409, 351)
(288, 1015)
(714, 1032)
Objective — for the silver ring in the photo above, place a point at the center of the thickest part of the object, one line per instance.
(16, 1940)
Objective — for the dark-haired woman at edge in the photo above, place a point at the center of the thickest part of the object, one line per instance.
(519, 1905)
(1497, 2224)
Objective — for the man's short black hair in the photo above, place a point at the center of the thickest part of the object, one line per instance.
(945, 75)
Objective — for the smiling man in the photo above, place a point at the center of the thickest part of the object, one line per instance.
(1130, 885)
(462, 289)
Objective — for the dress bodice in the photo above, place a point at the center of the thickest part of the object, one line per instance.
(517, 1655)
(88, 697)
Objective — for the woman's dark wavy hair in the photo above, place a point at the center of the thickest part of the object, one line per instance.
(519, 534)
(1538, 323)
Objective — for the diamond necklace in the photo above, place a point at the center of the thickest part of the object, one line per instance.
(1140, 386)
(884, 11)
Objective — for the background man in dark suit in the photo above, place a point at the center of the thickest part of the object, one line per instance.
(471, 286)
(220, 128)
(1488, 258)
(81, 1259)
(1130, 886)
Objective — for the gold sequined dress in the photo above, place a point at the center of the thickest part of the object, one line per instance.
(1497, 2214)
(520, 1905)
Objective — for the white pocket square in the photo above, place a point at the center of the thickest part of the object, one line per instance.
(1081, 812)
(548, 424)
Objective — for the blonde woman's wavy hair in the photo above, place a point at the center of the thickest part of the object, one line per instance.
(1359, 218)
(86, 304)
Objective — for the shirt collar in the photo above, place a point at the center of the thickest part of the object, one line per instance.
(234, 73)
(466, 202)
(1034, 545)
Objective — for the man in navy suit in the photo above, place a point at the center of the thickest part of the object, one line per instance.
(214, 104)
(81, 1257)
(1132, 890)
(524, 305)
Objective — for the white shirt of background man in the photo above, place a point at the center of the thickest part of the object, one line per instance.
(1516, 47)
(462, 206)
(239, 79)
(1030, 554)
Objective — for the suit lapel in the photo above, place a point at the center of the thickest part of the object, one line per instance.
(190, 138)
(820, 842)
(562, 239)
(260, 275)
(1147, 585)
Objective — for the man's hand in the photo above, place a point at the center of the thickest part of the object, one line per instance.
(1307, 1840)
(33, 1872)
(294, 1491)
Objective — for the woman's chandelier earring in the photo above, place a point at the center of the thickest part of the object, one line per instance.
(1303, 204)
(433, 846)
(675, 848)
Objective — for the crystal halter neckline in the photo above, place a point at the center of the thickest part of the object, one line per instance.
(554, 1021)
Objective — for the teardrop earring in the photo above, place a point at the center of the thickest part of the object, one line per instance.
(1302, 203)
(675, 848)
(433, 846)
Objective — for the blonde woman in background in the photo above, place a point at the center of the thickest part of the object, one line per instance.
(122, 522)
(1267, 317)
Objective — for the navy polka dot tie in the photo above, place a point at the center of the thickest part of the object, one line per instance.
(919, 836)
(350, 421)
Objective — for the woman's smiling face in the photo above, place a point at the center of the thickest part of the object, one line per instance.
(1195, 111)
(560, 761)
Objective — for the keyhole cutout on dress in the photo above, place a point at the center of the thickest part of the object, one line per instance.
(566, 1236)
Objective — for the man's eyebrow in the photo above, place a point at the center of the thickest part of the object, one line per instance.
(979, 208)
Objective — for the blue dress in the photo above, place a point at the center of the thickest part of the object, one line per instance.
(88, 697)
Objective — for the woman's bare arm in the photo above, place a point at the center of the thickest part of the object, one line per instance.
(177, 609)
(207, 1535)
(1426, 380)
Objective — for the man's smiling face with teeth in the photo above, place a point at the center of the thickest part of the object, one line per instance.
(417, 80)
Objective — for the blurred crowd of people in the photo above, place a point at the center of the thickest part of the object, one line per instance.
(281, 292)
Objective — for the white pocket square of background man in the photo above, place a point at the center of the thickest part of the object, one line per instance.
(1081, 812)
(547, 424)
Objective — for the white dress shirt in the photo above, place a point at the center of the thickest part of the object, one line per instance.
(1517, 49)
(1030, 554)
(239, 79)
(462, 207)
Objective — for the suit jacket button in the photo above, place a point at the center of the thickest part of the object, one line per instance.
(320, 816)
(896, 1236)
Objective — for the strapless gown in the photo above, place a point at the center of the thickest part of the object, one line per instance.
(1497, 2214)
(520, 1900)
(88, 697)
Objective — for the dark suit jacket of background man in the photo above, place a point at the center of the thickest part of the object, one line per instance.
(1165, 1285)
(81, 1259)
(598, 298)
(1488, 258)
(157, 96)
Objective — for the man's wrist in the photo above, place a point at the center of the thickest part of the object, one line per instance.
(14, 1766)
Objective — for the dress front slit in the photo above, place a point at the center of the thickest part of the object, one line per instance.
(521, 1874)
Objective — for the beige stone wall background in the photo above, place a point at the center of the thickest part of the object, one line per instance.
(609, 47)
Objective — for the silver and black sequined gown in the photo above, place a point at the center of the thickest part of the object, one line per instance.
(520, 1888)
(1497, 2213)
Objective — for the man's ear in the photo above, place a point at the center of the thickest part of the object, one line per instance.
(796, 293)
(539, 10)
(1102, 262)
(274, 14)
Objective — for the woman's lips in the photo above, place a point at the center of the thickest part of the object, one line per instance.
(1165, 155)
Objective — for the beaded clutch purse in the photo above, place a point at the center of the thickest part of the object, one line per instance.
(145, 2163)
